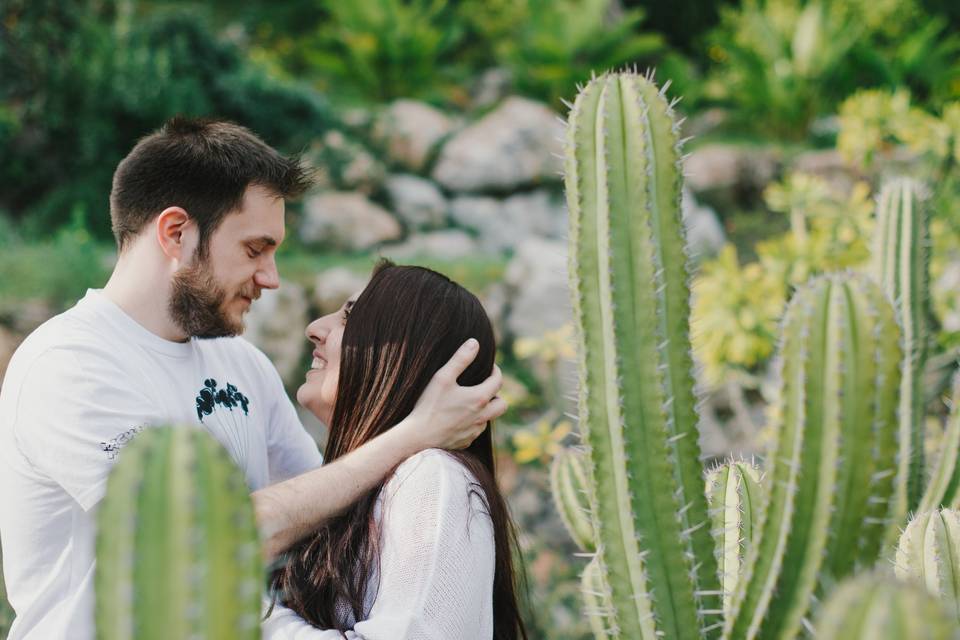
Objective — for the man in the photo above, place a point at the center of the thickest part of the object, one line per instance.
(198, 212)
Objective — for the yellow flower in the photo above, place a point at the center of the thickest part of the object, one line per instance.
(541, 442)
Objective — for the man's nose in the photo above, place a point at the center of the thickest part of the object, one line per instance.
(267, 276)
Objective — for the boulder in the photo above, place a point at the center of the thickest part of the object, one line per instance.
(276, 324)
(705, 236)
(332, 286)
(537, 280)
(448, 244)
(516, 144)
(408, 131)
(346, 220)
(343, 163)
(503, 224)
(416, 201)
(829, 165)
(730, 173)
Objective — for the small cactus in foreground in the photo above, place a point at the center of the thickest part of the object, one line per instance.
(596, 598)
(900, 262)
(877, 607)
(631, 301)
(929, 554)
(734, 495)
(178, 554)
(945, 478)
(571, 494)
(829, 479)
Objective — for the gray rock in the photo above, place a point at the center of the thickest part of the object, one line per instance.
(408, 131)
(722, 166)
(343, 163)
(332, 286)
(705, 236)
(516, 144)
(346, 220)
(276, 323)
(829, 165)
(503, 224)
(446, 244)
(537, 279)
(417, 201)
(491, 87)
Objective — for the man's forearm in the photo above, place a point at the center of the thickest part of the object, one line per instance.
(289, 510)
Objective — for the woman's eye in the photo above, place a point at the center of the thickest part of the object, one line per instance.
(346, 313)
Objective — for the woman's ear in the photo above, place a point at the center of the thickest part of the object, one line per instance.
(172, 228)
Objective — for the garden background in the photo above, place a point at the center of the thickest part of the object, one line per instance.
(435, 127)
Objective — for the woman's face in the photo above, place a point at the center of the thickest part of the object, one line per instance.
(318, 393)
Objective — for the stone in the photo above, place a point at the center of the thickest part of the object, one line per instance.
(448, 244)
(346, 220)
(501, 225)
(719, 167)
(705, 236)
(519, 143)
(537, 279)
(829, 165)
(276, 324)
(345, 164)
(333, 286)
(416, 201)
(408, 132)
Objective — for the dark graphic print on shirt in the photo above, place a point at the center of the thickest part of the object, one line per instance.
(210, 398)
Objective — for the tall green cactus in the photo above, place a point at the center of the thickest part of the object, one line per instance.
(734, 496)
(569, 485)
(900, 262)
(830, 475)
(629, 275)
(178, 555)
(929, 554)
(873, 606)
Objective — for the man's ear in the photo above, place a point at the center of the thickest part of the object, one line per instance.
(171, 227)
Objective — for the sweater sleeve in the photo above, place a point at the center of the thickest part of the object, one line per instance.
(437, 555)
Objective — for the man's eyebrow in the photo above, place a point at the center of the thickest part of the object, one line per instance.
(269, 241)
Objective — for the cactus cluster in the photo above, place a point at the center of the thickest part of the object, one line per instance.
(178, 553)
(929, 554)
(846, 461)
(629, 282)
(873, 606)
(570, 487)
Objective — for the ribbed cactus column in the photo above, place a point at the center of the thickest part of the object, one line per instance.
(829, 477)
(900, 264)
(873, 606)
(628, 271)
(570, 486)
(734, 496)
(178, 555)
(944, 480)
(929, 554)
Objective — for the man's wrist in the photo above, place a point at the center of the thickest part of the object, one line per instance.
(405, 437)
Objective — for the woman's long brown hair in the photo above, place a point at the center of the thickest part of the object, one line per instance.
(405, 326)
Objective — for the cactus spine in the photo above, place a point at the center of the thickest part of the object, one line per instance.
(734, 496)
(929, 554)
(875, 607)
(178, 554)
(630, 295)
(900, 265)
(571, 494)
(829, 478)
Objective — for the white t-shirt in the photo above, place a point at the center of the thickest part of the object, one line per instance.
(437, 557)
(76, 392)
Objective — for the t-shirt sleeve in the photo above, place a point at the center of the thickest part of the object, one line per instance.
(74, 415)
(437, 556)
(290, 449)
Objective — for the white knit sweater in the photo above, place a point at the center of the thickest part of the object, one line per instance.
(436, 564)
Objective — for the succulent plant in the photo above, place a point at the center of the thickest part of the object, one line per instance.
(637, 408)
(735, 496)
(596, 598)
(929, 554)
(569, 485)
(945, 477)
(901, 265)
(829, 478)
(178, 554)
(873, 606)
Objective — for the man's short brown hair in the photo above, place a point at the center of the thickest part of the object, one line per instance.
(201, 165)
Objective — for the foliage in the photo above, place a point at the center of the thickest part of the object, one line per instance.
(550, 46)
(540, 441)
(80, 88)
(783, 63)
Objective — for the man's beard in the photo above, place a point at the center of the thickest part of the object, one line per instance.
(197, 303)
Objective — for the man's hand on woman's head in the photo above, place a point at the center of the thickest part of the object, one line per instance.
(448, 416)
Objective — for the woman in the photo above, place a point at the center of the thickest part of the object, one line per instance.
(428, 554)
